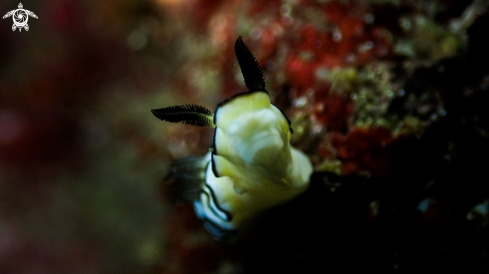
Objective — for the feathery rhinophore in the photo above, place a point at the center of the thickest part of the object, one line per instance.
(194, 115)
(253, 76)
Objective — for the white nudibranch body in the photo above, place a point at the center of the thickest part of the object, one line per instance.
(251, 167)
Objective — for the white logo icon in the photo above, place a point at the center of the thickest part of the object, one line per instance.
(20, 16)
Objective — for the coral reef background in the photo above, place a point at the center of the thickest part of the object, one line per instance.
(388, 98)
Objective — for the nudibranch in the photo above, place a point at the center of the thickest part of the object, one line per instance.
(251, 166)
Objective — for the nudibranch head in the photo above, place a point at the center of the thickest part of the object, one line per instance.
(251, 167)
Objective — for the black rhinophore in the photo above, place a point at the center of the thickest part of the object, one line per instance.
(253, 76)
(194, 115)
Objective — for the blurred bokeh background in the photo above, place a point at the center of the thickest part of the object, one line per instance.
(388, 98)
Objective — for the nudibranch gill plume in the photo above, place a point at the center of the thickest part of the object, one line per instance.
(251, 166)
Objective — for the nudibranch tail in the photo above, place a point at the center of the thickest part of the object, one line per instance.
(253, 76)
(194, 115)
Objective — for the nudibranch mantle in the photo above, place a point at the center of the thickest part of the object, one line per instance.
(251, 166)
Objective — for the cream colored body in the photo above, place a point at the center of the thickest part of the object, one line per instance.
(255, 166)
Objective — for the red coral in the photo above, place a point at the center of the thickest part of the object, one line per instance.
(269, 7)
(336, 12)
(332, 110)
(301, 73)
(364, 150)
